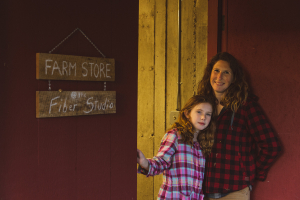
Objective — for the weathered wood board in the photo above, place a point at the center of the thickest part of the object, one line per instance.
(79, 68)
(74, 103)
(160, 47)
(146, 73)
(158, 71)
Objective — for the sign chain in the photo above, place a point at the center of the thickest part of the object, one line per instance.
(49, 83)
(78, 29)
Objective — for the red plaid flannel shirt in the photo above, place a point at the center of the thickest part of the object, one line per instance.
(234, 163)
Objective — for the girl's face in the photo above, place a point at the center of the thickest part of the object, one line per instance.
(200, 116)
(221, 76)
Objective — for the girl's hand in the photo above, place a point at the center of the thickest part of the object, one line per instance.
(141, 160)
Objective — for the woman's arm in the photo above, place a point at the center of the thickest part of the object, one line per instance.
(265, 138)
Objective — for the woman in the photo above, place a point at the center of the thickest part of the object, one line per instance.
(233, 165)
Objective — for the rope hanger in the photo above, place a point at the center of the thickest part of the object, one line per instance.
(77, 29)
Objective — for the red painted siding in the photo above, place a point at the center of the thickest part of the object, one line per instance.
(85, 157)
(212, 28)
(264, 36)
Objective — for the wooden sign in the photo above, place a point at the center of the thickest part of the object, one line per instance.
(79, 68)
(74, 103)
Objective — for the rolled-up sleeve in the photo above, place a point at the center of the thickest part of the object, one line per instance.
(163, 159)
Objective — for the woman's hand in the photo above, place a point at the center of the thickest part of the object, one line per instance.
(141, 160)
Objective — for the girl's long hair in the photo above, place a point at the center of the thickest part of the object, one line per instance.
(186, 129)
(237, 93)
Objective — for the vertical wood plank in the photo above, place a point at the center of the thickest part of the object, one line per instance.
(188, 50)
(172, 58)
(201, 38)
(145, 91)
(158, 71)
(160, 82)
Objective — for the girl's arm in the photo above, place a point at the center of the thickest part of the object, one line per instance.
(163, 159)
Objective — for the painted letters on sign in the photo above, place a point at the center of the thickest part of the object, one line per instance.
(73, 103)
(67, 67)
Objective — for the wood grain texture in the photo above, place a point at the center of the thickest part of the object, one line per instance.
(76, 68)
(172, 59)
(74, 103)
(145, 127)
(188, 50)
(157, 93)
(160, 82)
(201, 39)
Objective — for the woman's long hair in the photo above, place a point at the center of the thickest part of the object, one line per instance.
(237, 93)
(186, 129)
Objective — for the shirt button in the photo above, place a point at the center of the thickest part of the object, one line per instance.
(215, 164)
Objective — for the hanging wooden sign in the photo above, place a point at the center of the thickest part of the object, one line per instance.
(79, 68)
(74, 103)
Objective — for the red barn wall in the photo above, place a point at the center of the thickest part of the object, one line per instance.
(264, 36)
(84, 157)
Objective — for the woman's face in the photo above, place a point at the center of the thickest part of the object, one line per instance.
(221, 77)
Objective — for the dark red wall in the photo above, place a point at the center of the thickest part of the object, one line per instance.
(84, 157)
(264, 36)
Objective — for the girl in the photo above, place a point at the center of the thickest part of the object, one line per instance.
(181, 154)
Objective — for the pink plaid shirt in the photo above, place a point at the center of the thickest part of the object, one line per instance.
(182, 167)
